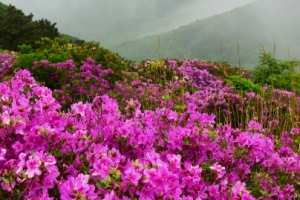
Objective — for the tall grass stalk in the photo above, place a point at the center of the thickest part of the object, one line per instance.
(158, 47)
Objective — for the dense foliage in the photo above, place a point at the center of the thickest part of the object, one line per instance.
(18, 28)
(167, 130)
(2, 7)
(279, 73)
(60, 50)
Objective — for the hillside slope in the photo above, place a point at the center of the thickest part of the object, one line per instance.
(254, 25)
(114, 22)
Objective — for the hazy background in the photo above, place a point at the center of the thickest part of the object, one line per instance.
(114, 21)
(269, 25)
(187, 28)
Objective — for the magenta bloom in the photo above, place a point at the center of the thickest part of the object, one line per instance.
(33, 165)
(294, 130)
(220, 171)
(250, 95)
(264, 117)
(48, 161)
(17, 146)
(273, 123)
(46, 104)
(239, 191)
(214, 190)
(111, 196)
(147, 193)
(132, 176)
(255, 126)
(21, 163)
(2, 154)
(7, 187)
(77, 187)
(79, 108)
(238, 188)
(90, 60)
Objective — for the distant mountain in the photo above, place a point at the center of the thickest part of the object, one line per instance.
(117, 21)
(255, 26)
(69, 37)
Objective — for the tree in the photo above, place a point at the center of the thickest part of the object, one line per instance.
(44, 28)
(2, 7)
(275, 72)
(16, 28)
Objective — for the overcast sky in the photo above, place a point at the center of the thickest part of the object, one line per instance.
(101, 19)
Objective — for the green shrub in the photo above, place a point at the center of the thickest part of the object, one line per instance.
(278, 73)
(60, 50)
(244, 85)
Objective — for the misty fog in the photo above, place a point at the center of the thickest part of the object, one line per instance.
(115, 21)
(122, 25)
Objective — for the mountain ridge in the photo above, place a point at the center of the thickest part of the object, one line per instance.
(246, 26)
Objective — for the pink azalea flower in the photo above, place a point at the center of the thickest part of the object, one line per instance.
(273, 123)
(33, 165)
(21, 163)
(214, 190)
(2, 153)
(111, 196)
(7, 187)
(220, 171)
(264, 117)
(294, 130)
(48, 161)
(147, 193)
(250, 95)
(77, 187)
(132, 176)
(238, 191)
(255, 126)
(46, 104)
(79, 108)
(90, 60)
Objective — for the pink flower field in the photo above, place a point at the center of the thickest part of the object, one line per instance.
(167, 130)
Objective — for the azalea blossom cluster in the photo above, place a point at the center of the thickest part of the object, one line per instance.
(151, 95)
(278, 110)
(93, 151)
(187, 82)
(71, 84)
(6, 61)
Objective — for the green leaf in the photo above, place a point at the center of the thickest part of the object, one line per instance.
(136, 163)
(73, 130)
(283, 178)
(5, 180)
(265, 194)
(108, 179)
(117, 175)
(121, 139)
(187, 140)
(103, 184)
(112, 170)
